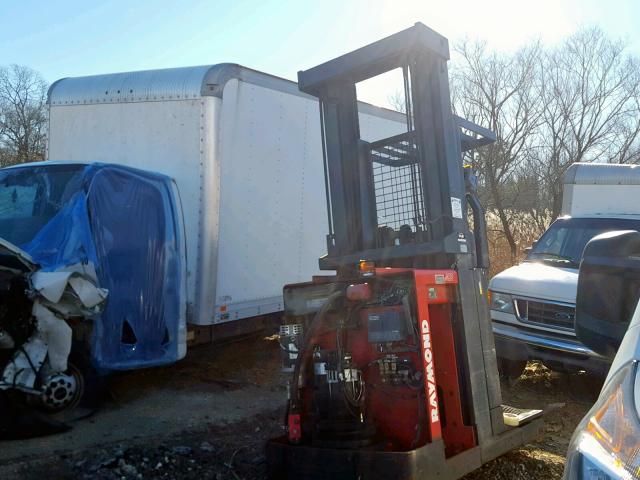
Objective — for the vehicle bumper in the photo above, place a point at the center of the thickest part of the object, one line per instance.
(555, 350)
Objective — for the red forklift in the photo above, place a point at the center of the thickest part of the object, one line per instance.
(392, 359)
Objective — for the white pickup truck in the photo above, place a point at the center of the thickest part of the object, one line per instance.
(533, 304)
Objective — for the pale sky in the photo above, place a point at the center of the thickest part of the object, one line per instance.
(80, 37)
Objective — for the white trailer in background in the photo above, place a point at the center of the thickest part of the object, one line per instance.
(245, 151)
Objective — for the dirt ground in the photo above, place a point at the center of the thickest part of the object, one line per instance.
(566, 398)
(210, 415)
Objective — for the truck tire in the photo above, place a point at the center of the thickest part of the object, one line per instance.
(62, 391)
(75, 394)
(95, 384)
(69, 397)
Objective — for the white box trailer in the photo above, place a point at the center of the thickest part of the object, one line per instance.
(244, 148)
(600, 189)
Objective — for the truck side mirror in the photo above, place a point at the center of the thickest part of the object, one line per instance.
(608, 290)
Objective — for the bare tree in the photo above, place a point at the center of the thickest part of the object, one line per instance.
(577, 102)
(589, 93)
(397, 101)
(501, 93)
(23, 95)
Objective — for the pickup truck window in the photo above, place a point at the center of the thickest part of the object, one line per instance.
(31, 196)
(563, 243)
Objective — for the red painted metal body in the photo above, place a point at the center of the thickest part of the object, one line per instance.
(436, 294)
(293, 427)
(407, 417)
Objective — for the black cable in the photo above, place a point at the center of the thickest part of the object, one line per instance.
(421, 420)
(35, 370)
(304, 347)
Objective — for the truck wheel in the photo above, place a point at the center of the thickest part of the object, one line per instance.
(511, 369)
(73, 394)
(62, 391)
(95, 385)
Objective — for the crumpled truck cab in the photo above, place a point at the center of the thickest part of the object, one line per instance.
(533, 304)
(91, 267)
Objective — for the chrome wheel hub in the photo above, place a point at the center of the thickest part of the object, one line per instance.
(61, 390)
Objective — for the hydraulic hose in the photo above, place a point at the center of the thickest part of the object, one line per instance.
(480, 230)
(304, 347)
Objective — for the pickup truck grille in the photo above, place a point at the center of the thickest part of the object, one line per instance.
(548, 314)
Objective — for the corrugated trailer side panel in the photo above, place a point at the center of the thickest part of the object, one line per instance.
(376, 123)
(273, 216)
(171, 137)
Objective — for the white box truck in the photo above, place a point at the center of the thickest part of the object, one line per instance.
(533, 304)
(245, 151)
(170, 197)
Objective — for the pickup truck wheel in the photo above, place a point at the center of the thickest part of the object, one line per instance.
(511, 369)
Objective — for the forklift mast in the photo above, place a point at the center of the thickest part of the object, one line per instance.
(401, 202)
(398, 201)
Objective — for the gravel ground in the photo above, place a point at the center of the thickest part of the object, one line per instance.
(241, 383)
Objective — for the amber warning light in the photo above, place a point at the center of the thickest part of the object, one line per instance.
(367, 269)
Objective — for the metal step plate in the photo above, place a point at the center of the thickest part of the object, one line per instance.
(514, 417)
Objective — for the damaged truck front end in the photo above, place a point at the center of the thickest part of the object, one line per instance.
(91, 267)
(36, 310)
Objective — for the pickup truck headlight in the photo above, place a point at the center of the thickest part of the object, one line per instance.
(606, 444)
(502, 302)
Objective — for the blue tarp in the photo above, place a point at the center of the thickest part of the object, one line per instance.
(125, 222)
